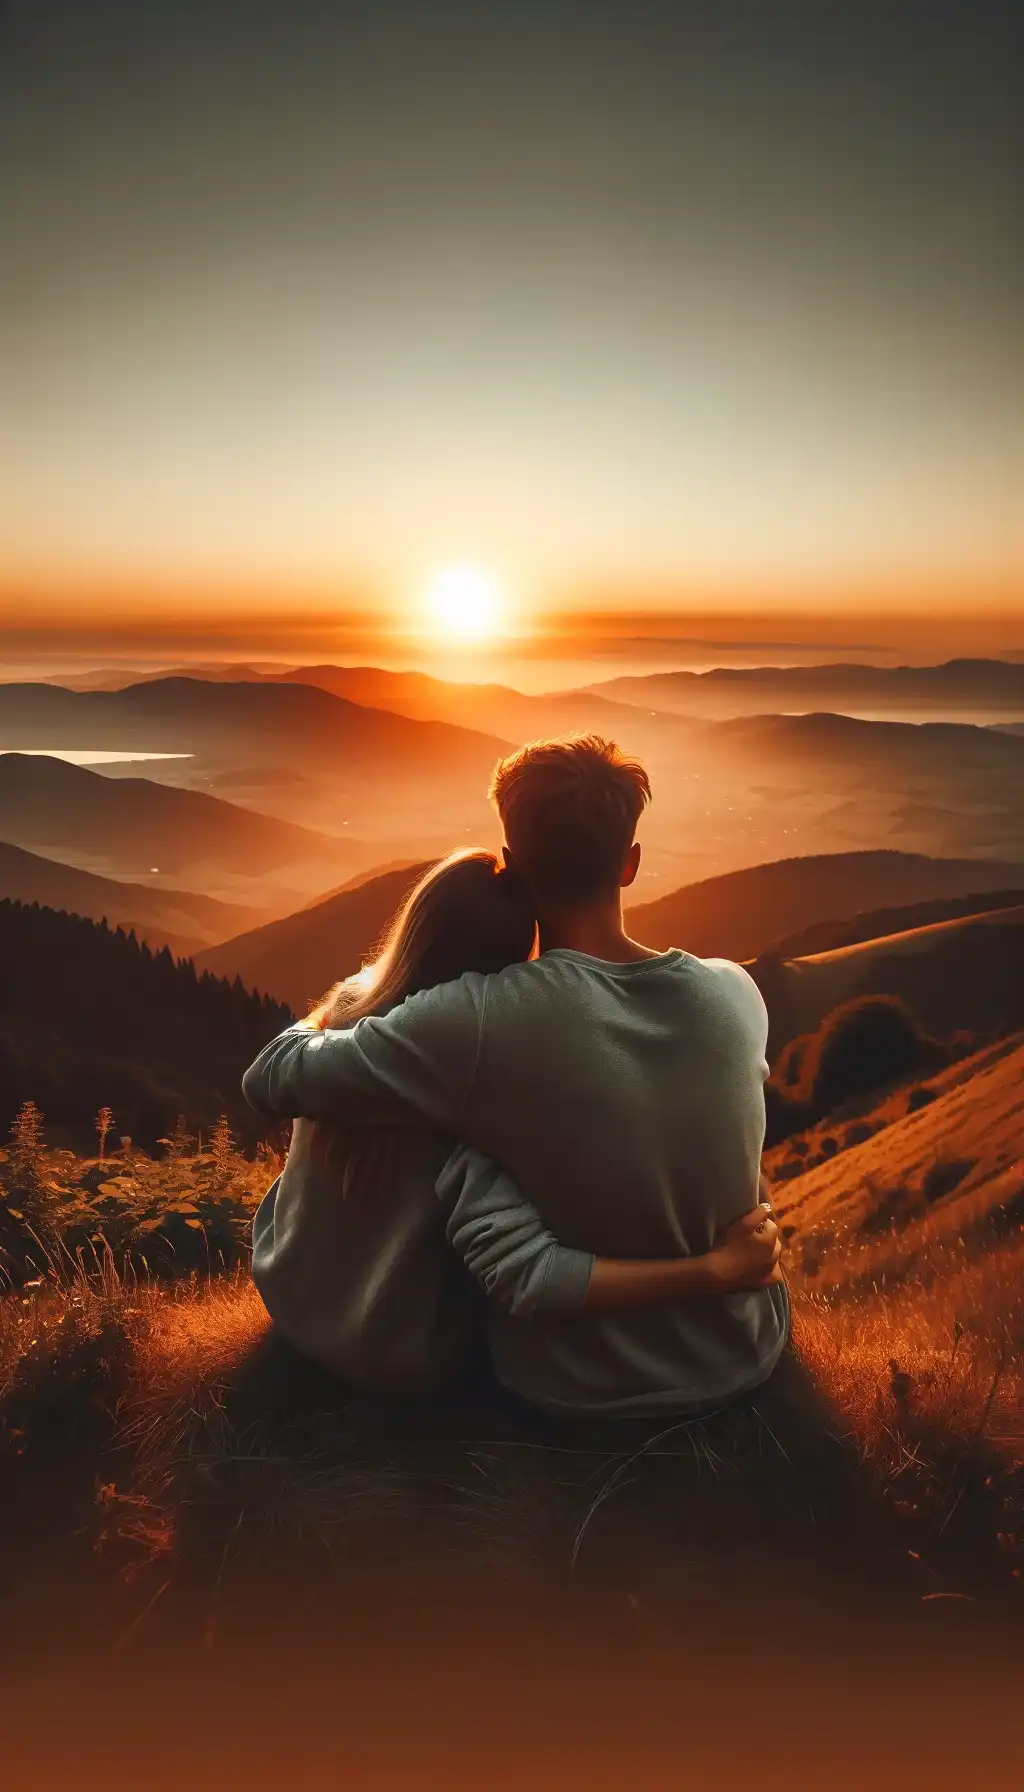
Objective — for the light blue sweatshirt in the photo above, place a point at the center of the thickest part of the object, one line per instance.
(627, 1101)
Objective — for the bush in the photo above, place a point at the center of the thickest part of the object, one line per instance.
(863, 1045)
(920, 1097)
(783, 1115)
(857, 1133)
(944, 1175)
(790, 1063)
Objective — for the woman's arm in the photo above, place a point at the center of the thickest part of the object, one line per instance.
(522, 1267)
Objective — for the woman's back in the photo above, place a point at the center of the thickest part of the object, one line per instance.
(351, 1260)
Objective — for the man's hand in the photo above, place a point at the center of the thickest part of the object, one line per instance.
(747, 1254)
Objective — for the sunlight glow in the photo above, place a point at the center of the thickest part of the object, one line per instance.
(464, 601)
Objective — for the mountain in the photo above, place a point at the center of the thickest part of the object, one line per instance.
(134, 824)
(743, 913)
(989, 686)
(848, 744)
(966, 974)
(89, 1017)
(490, 708)
(173, 918)
(243, 723)
(298, 958)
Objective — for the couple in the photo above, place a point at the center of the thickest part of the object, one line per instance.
(579, 1130)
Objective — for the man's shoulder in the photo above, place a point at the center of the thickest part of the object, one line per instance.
(735, 986)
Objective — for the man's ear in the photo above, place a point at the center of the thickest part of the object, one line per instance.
(631, 866)
(506, 859)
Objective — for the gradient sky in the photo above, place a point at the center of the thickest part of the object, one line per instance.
(691, 303)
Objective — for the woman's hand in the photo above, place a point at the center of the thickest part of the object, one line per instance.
(747, 1255)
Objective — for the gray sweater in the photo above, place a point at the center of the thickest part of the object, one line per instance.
(626, 1100)
(352, 1262)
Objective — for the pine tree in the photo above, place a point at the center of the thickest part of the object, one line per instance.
(27, 1146)
(222, 1149)
(180, 1142)
(104, 1127)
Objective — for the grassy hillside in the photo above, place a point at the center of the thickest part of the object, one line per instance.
(90, 1017)
(298, 958)
(743, 913)
(910, 1213)
(966, 973)
(176, 918)
(875, 924)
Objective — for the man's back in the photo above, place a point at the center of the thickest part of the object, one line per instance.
(627, 1101)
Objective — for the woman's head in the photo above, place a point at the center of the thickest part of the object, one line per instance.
(466, 914)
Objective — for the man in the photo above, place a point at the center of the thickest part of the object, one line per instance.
(620, 1088)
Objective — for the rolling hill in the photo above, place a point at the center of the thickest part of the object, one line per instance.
(298, 958)
(743, 913)
(963, 974)
(89, 1017)
(175, 918)
(875, 924)
(134, 825)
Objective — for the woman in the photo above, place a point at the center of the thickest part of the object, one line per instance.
(350, 1253)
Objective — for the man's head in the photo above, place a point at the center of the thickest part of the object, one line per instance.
(569, 808)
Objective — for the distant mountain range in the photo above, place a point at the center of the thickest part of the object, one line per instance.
(825, 741)
(298, 958)
(744, 913)
(138, 826)
(490, 708)
(175, 918)
(244, 723)
(983, 685)
(90, 1017)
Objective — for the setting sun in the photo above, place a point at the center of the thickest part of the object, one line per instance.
(464, 600)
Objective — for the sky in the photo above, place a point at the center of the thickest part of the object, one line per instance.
(663, 308)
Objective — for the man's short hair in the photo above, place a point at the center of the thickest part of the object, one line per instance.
(569, 808)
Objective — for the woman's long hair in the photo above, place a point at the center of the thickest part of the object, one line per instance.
(468, 913)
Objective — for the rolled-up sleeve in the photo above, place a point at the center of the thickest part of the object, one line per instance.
(418, 1062)
(505, 1244)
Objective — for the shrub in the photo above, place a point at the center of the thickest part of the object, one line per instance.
(861, 1046)
(944, 1175)
(858, 1132)
(920, 1097)
(893, 1208)
(790, 1062)
(783, 1115)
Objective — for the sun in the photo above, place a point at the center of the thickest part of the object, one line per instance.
(464, 601)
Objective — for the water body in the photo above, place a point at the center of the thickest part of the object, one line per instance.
(90, 755)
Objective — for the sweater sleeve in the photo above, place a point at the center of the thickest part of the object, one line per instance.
(503, 1241)
(416, 1063)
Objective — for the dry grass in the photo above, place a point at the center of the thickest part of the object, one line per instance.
(202, 1451)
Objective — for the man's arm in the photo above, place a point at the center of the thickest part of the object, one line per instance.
(522, 1267)
(417, 1061)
